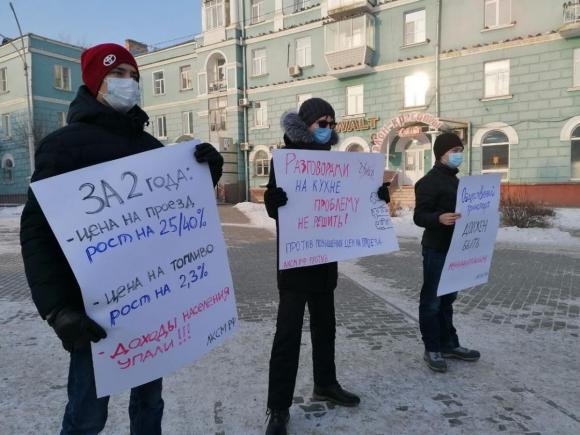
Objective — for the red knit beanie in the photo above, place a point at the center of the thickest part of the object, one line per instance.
(98, 61)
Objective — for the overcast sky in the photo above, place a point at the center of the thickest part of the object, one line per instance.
(89, 22)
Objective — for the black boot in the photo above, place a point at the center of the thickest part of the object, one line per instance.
(335, 394)
(278, 421)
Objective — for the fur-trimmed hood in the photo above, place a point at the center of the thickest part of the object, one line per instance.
(296, 134)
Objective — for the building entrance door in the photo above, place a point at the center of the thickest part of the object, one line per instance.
(414, 167)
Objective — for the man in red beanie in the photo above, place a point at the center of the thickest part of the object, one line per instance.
(105, 123)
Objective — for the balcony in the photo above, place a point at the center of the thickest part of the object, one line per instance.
(218, 86)
(350, 62)
(343, 8)
(349, 46)
(571, 18)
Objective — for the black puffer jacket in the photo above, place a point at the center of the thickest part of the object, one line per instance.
(96, 133)
(321, 277)
(435, 194)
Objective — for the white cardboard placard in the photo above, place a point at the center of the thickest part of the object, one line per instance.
(143, 237)
(333, 212)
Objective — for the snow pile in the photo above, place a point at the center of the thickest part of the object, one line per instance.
(566, 220)
(257, 215)
(11, 212)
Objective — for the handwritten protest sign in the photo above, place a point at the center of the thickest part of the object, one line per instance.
(143, 237)
(333, 212)
(469, 257)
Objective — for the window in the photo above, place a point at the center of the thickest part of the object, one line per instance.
(214, 14)
(497, 13)
(415, 27)
(259, 62)
(218, 113)
(5, 125)
(576, 80)
(187, 122)
(161, 127)
(350, 33)
(262, 164)
(355, 100)
(575, 151)
(293, 6)
(186, 77)
(495, 152)
(218, 76)
(262, 115)
(416, 87)
(8, 169)
(3, 79)
(62, 77)
(61, 118)
(158, 83)
(257, 11)
(301, 98)
(497, 79)
(303, 57)
(355, 148)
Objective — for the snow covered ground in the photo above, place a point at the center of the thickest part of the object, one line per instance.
(9, 227)
(565, 224)
(564, 233)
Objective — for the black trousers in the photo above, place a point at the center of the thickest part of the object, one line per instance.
(286, 347)
(436, 312)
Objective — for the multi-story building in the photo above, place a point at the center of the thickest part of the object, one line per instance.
(503, 74)
(53, 74)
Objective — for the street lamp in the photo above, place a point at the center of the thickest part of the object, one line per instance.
(22, 55)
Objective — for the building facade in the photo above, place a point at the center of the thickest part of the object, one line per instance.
(53, 73)
(503, 74)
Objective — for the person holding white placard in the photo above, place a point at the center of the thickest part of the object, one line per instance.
(435, 200)
(312, 128)
(105, 123)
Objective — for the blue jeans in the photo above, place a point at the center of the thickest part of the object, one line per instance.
(436, 313)
(87, 415)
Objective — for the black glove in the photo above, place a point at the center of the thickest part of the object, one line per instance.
(206, 152)
(276, 197)
(273, 198)
(74, 328)
(383, 192)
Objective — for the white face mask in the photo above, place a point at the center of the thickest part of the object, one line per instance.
(122, 94)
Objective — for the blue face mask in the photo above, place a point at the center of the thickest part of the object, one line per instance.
(322, 135)
(455, 160)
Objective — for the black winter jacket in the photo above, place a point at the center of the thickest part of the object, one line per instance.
(321, 277)
(95, 134)
(435, 194)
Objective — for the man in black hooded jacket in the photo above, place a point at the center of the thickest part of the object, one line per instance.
(312, 128)
(105, 123)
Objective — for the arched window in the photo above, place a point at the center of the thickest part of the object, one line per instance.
(216, 73)
(8, 170)
(355, 148)
(495, 153)
(262, 164)
(575, 152)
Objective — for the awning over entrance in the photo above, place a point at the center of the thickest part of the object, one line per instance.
(404, 128)
(407, 140)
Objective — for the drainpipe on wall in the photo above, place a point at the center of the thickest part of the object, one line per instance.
(437, 52)
(469, 149)
(245, 93)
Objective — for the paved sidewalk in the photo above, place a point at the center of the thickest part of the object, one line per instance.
(525, 322)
